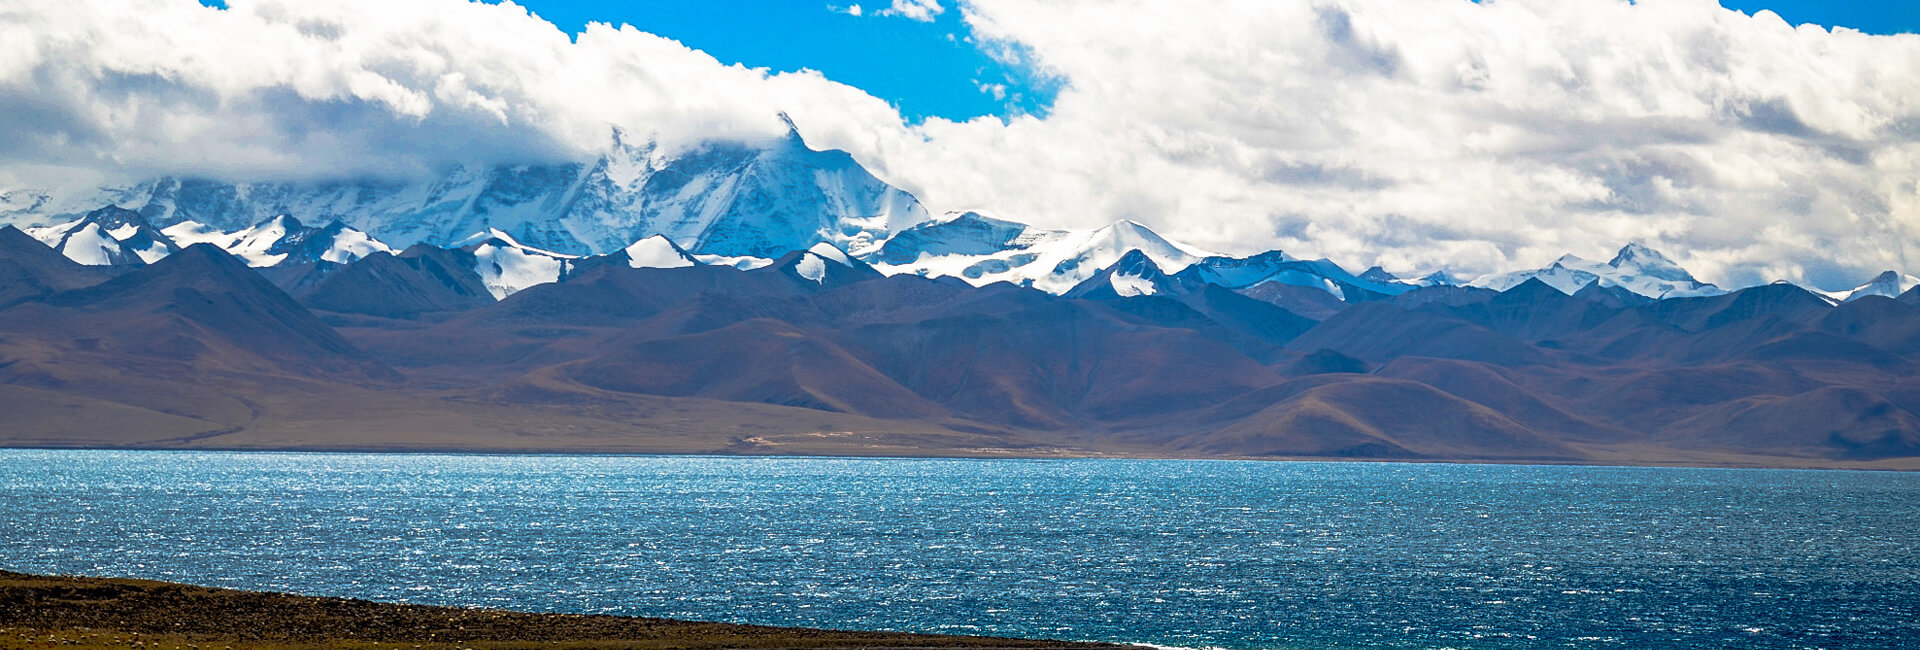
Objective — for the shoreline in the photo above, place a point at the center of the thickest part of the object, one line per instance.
(1899, 465)
(95, 612)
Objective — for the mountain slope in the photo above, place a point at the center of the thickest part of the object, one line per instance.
(199, 308)
(30, 270)
(421, 280)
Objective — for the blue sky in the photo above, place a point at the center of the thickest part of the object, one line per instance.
(1871, 16)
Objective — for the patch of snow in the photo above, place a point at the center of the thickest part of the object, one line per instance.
(1131, 285)
(90, 245)
(495, 233)
(812, 267)
(188, 233)
(830, 252)
(153, 252)
(507, 269)
(254, 245)
(51, 235)
(350, 245)
(742, 262)
(656, 252)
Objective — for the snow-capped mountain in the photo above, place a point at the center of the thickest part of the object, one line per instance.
(1277, 267)
(1636, 268)
(1890, 284)
(983, 250)
(109, 236)
(1134, 274)
(1439, 278)
(720, 198)
(282, 240)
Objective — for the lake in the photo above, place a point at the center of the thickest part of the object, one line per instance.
(1182, 553)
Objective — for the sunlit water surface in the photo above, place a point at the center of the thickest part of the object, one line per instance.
(1233, 554)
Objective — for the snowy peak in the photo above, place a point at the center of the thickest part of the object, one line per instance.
(1377, 274)
(108, 236)
(1636, 268)
(1641, 261)
(1121, 237)
(982, 250)
(1890, 284)
(728, 200)
(1134, 274)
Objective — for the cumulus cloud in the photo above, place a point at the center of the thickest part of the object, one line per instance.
(274, 88)
(1410, 133)
(1482, 136)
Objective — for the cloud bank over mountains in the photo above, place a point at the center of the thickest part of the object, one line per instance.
(1414, 134)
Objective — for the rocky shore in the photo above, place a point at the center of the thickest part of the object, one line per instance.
(78, 612)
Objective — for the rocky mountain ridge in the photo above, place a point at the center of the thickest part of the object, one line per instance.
(820, 352)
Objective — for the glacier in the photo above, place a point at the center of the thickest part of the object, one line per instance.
(728, 199)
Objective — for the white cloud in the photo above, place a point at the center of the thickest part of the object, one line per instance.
(1412, 133)
(276, 88)
(1417, 133)
(921, 10)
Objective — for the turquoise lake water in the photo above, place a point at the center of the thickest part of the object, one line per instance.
(1185, 553)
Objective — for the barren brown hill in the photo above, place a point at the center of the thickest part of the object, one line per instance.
(199, 351)
(29, 269)
(201, 307)
(1367, 417)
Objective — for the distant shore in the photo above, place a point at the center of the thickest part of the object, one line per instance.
(82, 612)
(1703, 460)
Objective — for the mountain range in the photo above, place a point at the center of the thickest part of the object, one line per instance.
(776, 299)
